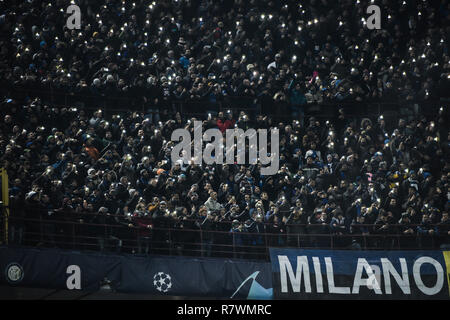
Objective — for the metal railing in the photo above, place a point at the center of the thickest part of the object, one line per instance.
(122, 103)
(176, 238)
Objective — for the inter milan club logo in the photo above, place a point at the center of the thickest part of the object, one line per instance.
(162, 282)
(14, 273)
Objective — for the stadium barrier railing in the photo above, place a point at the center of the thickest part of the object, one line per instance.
(172, 239)
(198, 107)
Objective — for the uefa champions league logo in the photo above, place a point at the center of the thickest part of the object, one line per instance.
(162, 282)
(256, 291)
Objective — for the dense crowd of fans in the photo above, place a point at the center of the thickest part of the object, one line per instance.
(337, 176)
(285, 52)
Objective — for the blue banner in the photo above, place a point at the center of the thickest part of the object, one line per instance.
(57, 269)
(204, 277)
(164, 275)
(339, 274)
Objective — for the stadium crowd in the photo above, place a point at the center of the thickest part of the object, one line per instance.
(336, 176)
(287, 53)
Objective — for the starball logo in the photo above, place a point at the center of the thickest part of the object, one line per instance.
(235, 139)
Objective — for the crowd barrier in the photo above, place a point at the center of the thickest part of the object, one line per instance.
(156, 275)
(187, 238)
(291, 274)
(187, 107)
(337, 274)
